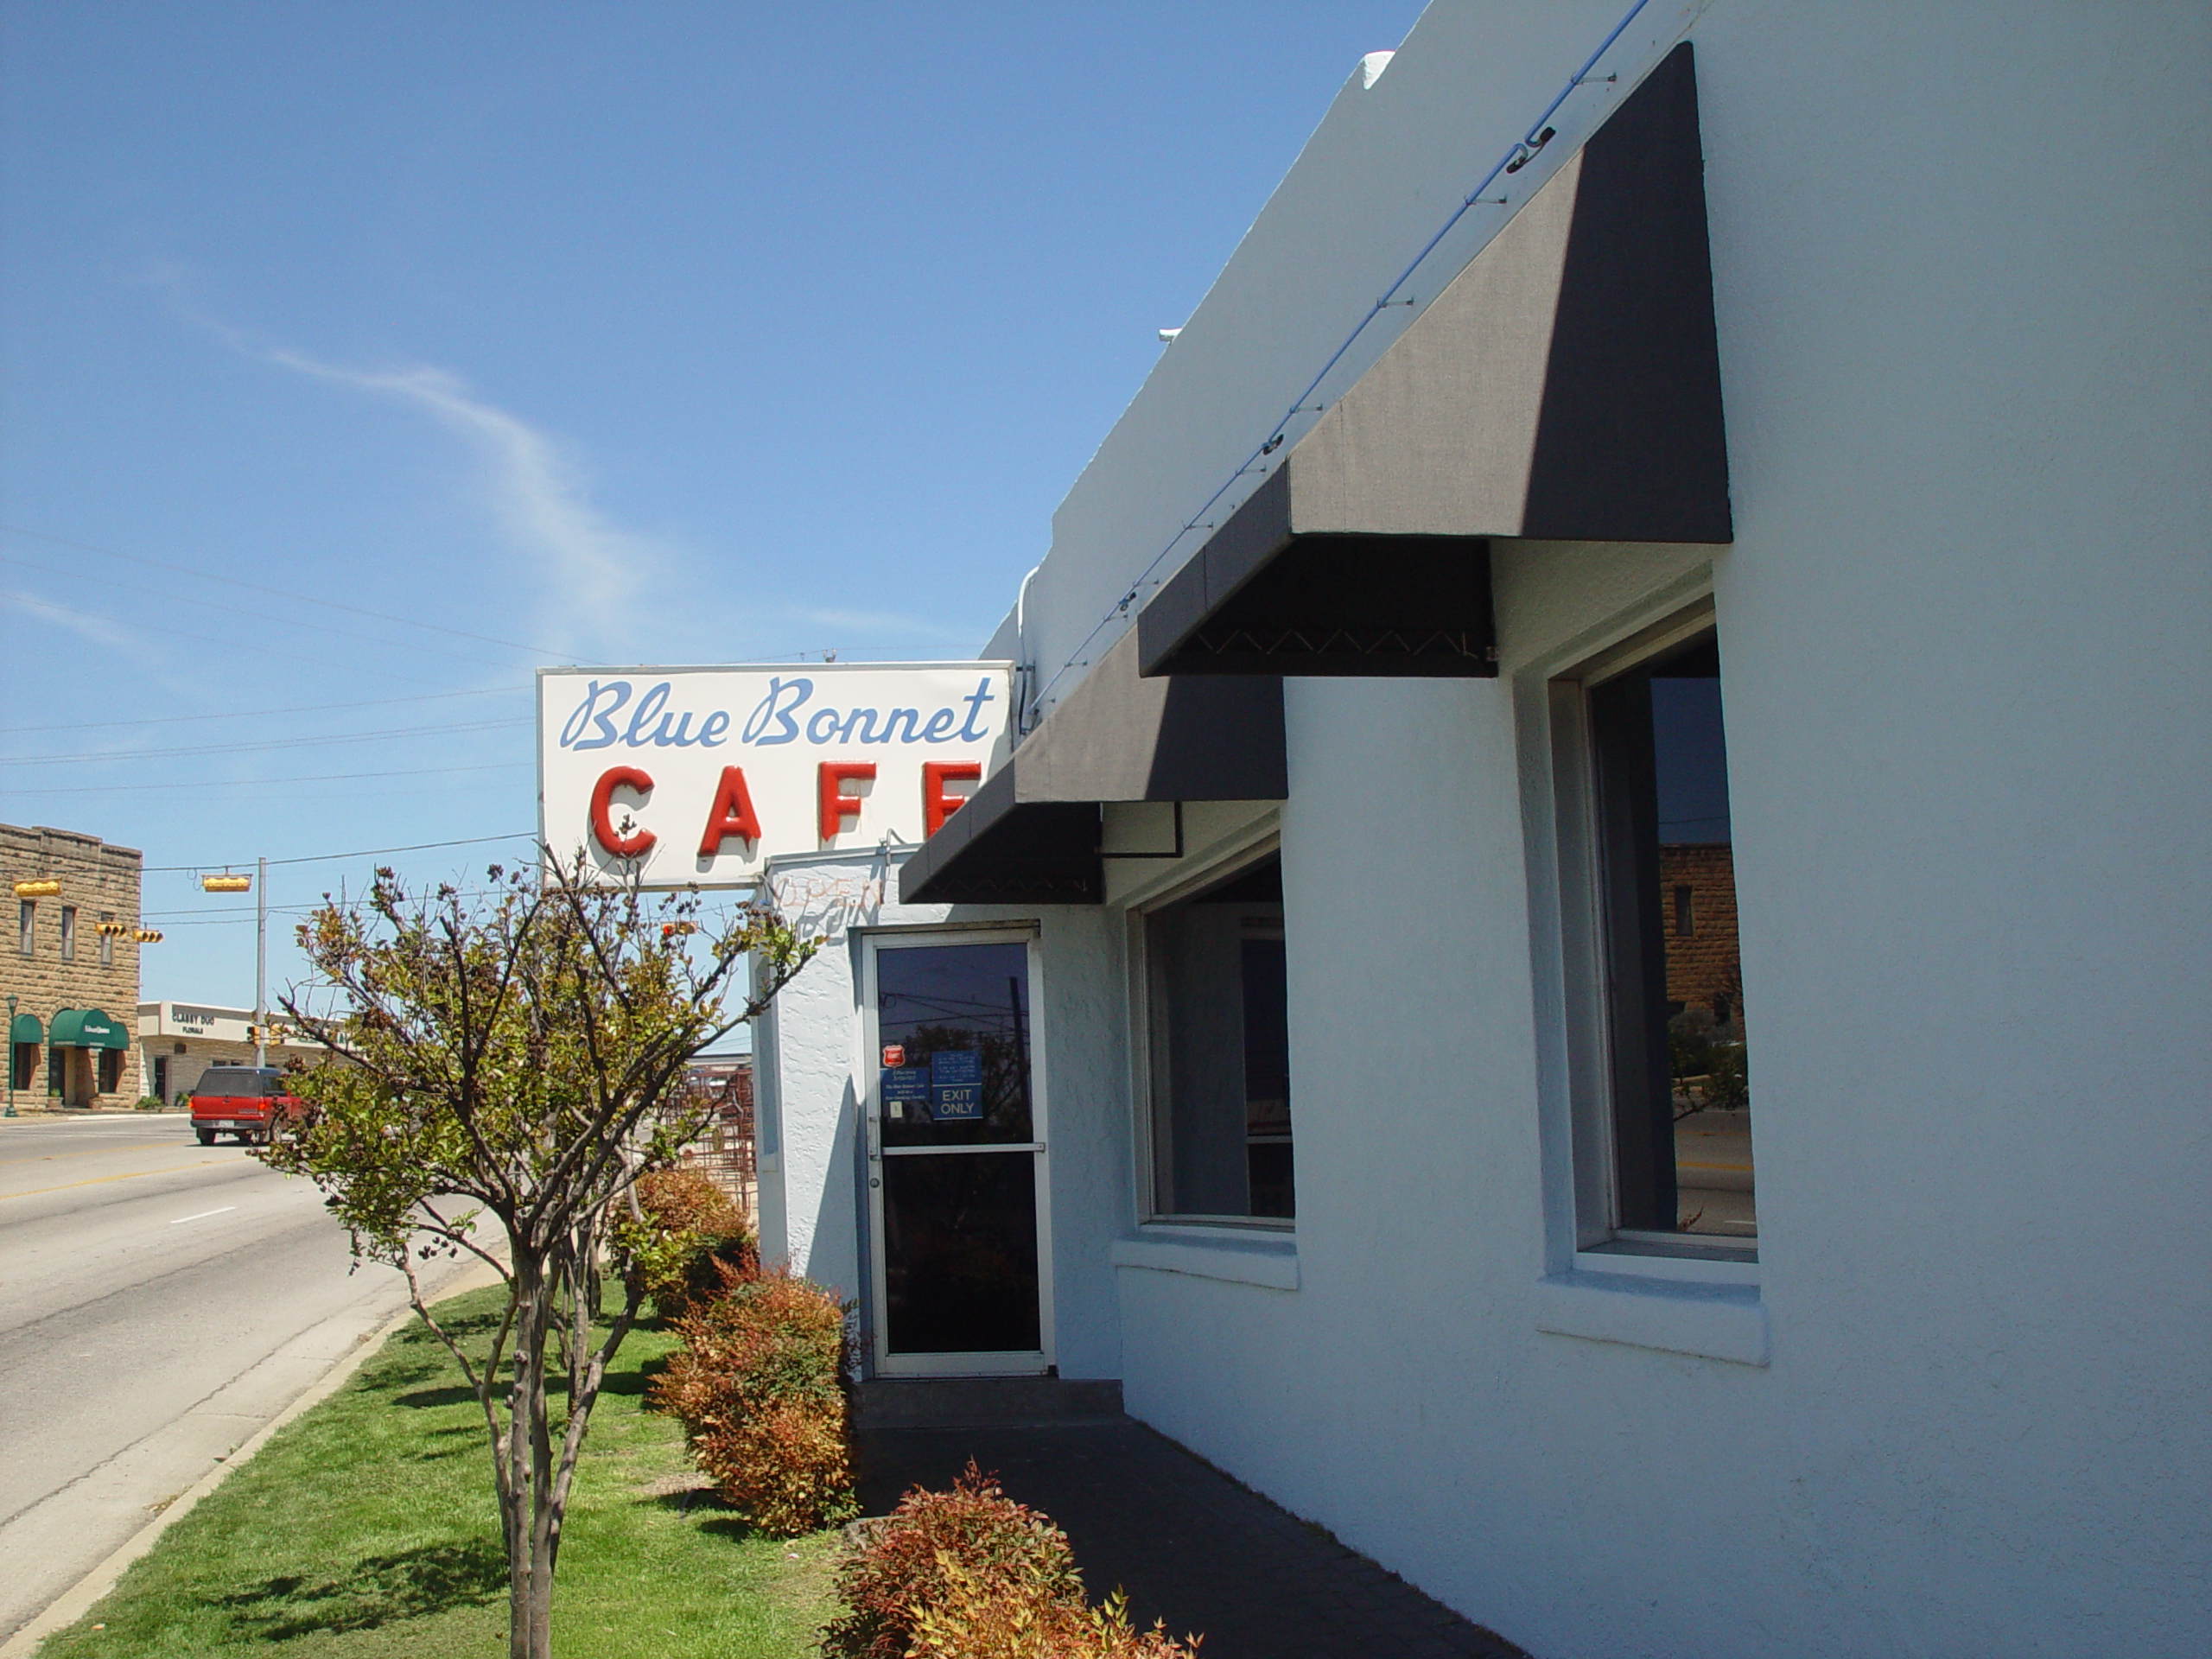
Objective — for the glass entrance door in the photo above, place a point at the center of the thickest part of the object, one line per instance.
(955, 1150)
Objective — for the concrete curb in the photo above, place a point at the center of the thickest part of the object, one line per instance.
(80, 1597)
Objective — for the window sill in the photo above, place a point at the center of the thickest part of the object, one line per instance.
(1676, 1315)
(1679, 1266)
(1270, 1261)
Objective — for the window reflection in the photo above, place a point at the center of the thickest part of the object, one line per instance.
(1221, 1051)
(1682, 1111)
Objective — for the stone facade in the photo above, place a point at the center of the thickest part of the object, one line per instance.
(1697, 895)
(58, 958)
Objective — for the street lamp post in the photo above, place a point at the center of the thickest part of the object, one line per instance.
(12, 1056)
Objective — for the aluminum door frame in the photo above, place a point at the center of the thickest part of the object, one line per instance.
(869, 1089)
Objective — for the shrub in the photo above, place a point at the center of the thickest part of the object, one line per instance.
(974, 1620)
(995, 1549)
(972, 1574)
(759, 1384)
(693, 1229)
(1728, 1085)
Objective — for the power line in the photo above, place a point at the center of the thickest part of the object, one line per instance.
(264, 744)
(259, 783)
(261, 714)
(274, 593)
(361, 852)
(246, 642)
(227, 608)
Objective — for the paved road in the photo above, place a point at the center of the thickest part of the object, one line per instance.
(159, 1302)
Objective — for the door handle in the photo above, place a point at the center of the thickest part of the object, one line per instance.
(875, 1139)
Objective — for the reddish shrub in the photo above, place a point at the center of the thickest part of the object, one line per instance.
(759, 1384)
(693, 1232)
(974, 1543)
(973, 1620)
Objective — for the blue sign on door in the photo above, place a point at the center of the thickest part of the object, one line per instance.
(956, 1085)
(905, 1083)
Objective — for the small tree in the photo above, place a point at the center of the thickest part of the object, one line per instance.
(521, 1055)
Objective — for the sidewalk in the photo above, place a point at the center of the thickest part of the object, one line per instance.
(1188, 1544)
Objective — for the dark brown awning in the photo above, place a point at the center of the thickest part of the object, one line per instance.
(1031, 834)
(1566, 386)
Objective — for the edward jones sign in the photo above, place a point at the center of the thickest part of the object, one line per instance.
(700, 775)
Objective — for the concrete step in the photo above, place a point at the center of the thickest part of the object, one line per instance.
(982, 1402)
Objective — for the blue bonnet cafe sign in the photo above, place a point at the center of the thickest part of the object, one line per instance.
(677, 776)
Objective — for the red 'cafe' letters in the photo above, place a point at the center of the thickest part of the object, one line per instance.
(731, 814)
(603, 798)
(835, 804)
(936, 806)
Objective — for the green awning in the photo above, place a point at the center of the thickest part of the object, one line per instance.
(26, 1029)
(87, 1028)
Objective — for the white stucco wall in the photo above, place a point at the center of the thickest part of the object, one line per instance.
(1960, 259)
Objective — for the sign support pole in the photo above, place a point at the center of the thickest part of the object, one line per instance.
(261, 962)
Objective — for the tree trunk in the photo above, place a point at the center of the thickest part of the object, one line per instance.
(528, 1610)
(537, 1470)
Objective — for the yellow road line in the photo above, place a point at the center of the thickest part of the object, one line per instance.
(1682, 1163)
(97, 1151)
(99, 1180)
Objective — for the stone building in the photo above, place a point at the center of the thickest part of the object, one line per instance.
(1697, 884)
(73, 969)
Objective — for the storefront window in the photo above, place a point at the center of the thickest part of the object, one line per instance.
(1220, 1042)
(1682, 1102)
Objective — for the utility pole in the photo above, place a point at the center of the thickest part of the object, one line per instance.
(12, 1056)
(258, 882)
(261, 962)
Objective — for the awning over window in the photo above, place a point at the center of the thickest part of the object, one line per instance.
(1031, 834)
(87, 1028)
(1566, 386)
(25, 1028)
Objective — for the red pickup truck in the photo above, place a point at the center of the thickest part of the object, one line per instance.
(250, 1102)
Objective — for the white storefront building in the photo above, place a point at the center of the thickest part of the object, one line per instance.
(1588, 963)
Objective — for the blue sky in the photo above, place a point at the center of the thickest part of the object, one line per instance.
(538, 333)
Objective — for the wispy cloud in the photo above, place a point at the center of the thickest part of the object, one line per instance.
(97, 629)
(592, 571)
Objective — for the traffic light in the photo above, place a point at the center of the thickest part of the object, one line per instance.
(150, 936)
(227, 884)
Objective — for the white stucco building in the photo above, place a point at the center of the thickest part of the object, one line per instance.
(1591, 967)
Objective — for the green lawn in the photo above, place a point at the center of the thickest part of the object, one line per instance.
(367, 1528)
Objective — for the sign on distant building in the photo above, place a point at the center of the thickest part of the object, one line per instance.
(678, 776)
